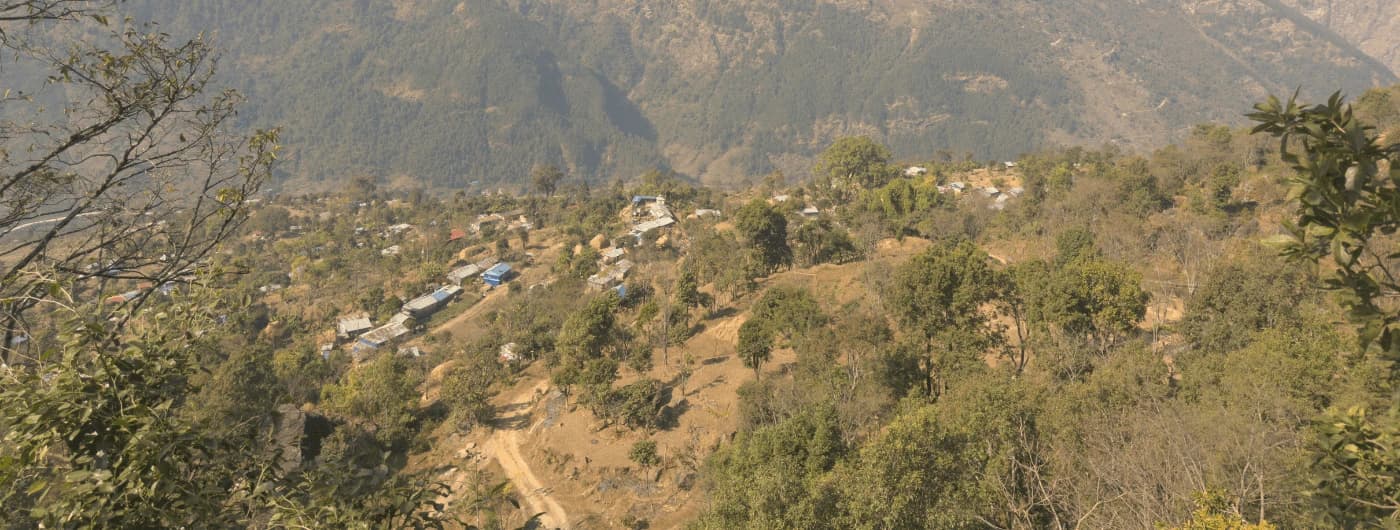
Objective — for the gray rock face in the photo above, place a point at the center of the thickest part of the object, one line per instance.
(296, 436)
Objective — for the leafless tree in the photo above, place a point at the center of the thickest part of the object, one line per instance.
(117, 165)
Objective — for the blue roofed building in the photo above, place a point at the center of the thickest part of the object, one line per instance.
(428, 304)
(446, 293)
(497, 274)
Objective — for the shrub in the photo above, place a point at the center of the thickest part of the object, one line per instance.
(644, 454)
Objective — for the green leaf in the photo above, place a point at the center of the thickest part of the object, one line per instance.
(1280, 241)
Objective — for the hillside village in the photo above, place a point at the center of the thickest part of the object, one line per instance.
(719, 265)
(647, 217)
(656, 354)
(704, 417)
(599, 353)
(461, 263)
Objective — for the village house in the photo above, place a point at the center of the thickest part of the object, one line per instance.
(486, 221)
(611, 276)
(641, 200)
(353, 325)
(521, 223)
(424, 306)
(486, 263)
(378, 337)
(497, 274)
(647, 226)
(612, 254)
(460, 274)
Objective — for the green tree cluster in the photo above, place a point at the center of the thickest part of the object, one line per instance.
(763, 230)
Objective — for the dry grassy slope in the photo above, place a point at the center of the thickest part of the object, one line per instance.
(563, 462)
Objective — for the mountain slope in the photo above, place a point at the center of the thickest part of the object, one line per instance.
(1373, 26)
(449, 92)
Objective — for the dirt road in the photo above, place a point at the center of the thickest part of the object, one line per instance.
(504, 446)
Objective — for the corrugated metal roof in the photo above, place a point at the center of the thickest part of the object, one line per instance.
(421, 303)
(498, 270)
(446, 293)
(486, 262)
(462, 273)
(380, 335)
(653, 224)
(354, 324)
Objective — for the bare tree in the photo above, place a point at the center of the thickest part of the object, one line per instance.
(116, 164)
(34, 11)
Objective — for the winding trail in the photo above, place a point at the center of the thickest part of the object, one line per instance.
(504, 446)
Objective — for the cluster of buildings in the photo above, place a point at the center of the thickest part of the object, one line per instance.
(998, 196)
(368, 338)
(610, 276)
(493, 272)
(808, 211)
(512, 220)
(707, 213)
(649, 213)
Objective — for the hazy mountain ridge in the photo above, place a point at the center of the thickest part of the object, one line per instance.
(446, 93)
(1373, 26)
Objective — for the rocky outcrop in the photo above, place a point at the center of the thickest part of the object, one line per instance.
(296, 436)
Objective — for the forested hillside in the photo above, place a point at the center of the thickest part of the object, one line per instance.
(447, 93)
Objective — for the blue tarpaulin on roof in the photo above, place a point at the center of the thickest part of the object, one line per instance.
(444, 294)
(497, 274)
